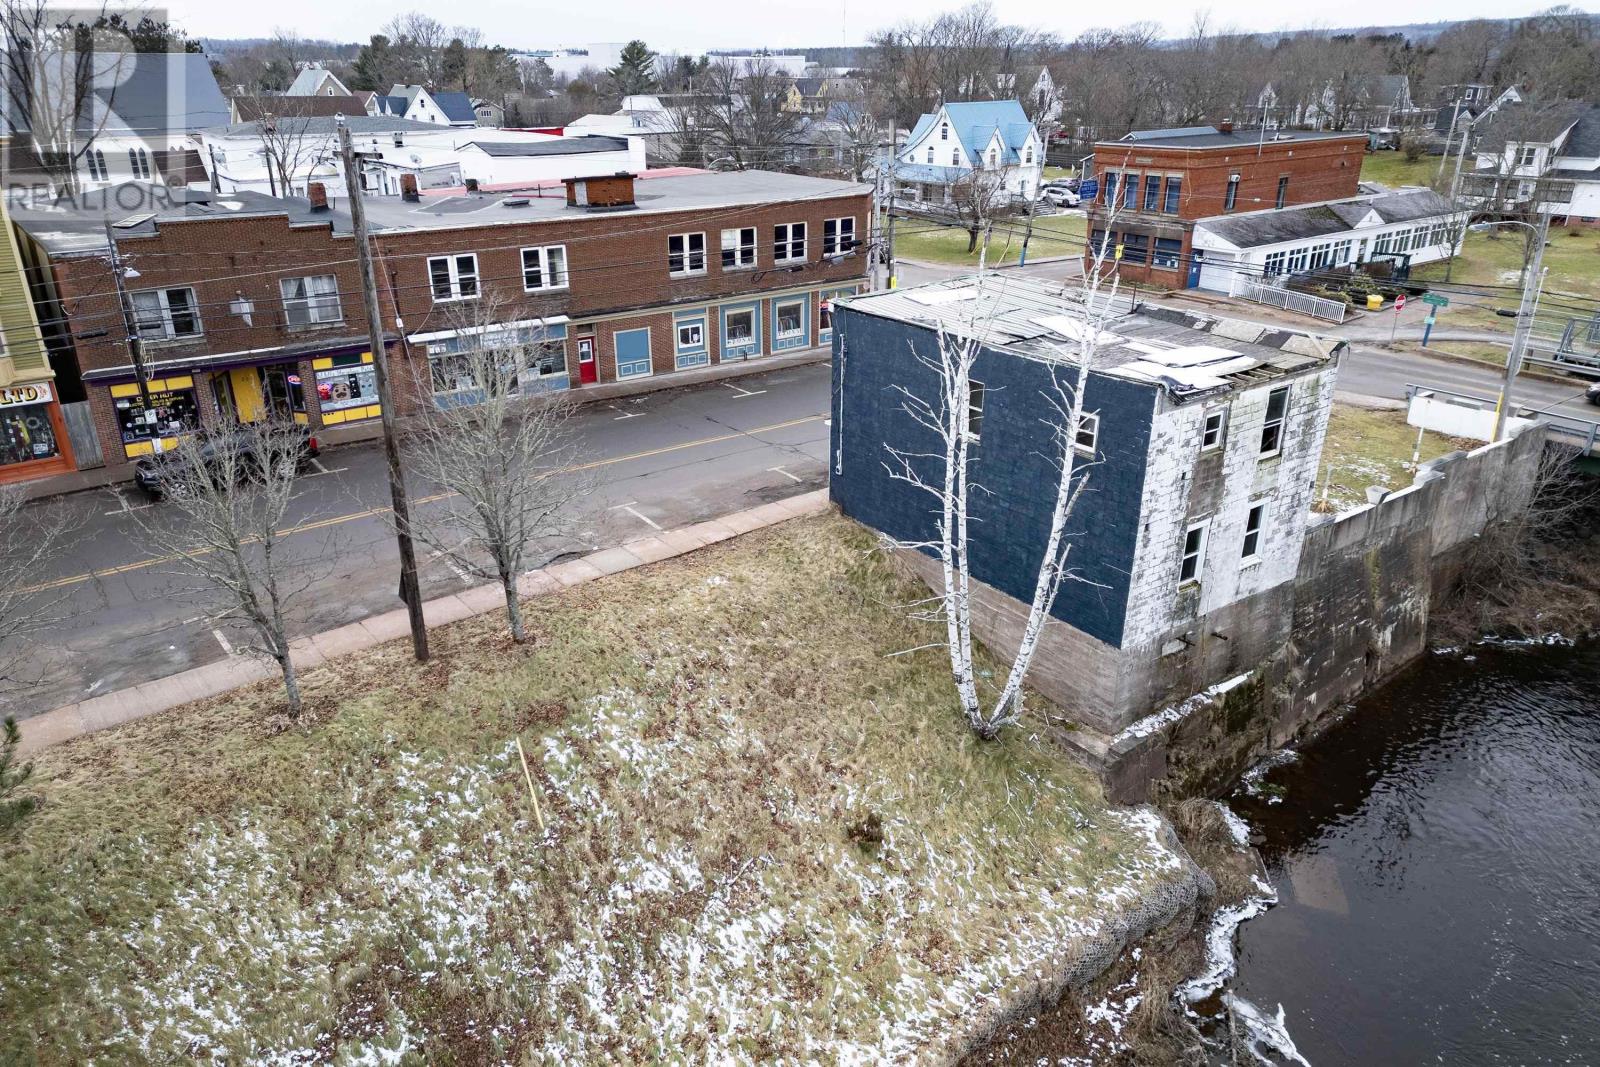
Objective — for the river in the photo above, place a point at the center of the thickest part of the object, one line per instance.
(1437, 860)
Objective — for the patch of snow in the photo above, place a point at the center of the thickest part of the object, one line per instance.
(1265, 1033)
(1169, 715)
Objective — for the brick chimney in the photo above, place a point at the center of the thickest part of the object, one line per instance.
(408, 188)
(1225, 126)
(317, 193)
(600, 191)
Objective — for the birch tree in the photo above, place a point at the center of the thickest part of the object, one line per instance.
(946, 473)
(222, 523)
(502, 449)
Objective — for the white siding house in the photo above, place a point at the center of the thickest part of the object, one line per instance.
(988, 136)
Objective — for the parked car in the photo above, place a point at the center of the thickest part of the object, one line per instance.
(154, 474)
(1059, 196)
(1592, 394)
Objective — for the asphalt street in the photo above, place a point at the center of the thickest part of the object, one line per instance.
(661, 460)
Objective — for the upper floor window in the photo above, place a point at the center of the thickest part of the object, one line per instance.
(1194, 552)
(1530, 156)
(1130, 192)
(838, 236)
(1283, 190)
(139, 161)
(1110, 191)
(544, 268)
(97, 164)
(1231, 197)
(686, 254)
(1252, 533)
(1211, 431)
(1088, 433)
(1272, 429)
(1174, 192)
(166, 314)
(311, 301)
(739, 248)
(994, 160)
(974, 409)
(1152, 192)
(789, 242)
(1027, 154)
(955, 157)
(930, 154)
(944, 131)
(453, 277)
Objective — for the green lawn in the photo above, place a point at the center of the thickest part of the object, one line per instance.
(767, 838)
(1053, 235)
(1391, 169)
(1365, 447)
(1494, 257)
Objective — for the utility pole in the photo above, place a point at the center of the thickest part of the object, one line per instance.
(1444, 157)
(410, 588)
(1532, 287)
(894, 162)
(1038, 193)
(130, 329)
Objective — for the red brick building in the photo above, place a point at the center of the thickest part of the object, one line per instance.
(245, 301)
(1155, 184)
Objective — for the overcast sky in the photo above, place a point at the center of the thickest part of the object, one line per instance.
(699, 25)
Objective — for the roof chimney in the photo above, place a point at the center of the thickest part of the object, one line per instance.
(317, 193)
(600, 191)
(408, 188)
(1225, 126)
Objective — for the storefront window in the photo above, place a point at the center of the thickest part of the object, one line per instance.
(541, 352)
(171, 412)
(25, 432)
(349, 383)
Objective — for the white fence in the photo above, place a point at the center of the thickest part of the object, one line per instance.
(1271, 295)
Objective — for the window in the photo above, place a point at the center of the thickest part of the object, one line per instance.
(453, 277)
(1283, 190)
(1252, 533)
(1194, 552)
(789, 242)
(1211, 429)
(993, 159)
(311, 301)
(974, 410)
(139, 161)
(166, 314)
(544, 268)
(955, 157)
(686, 254)
(739, 248)
(1231, 197)
(1111, 188)
(741, 326)
(97, 165)
(1152, 191)
(1130, 192)
(1297, 260)
(1135, 247)
(1529, 157)
(930, 154)
(1088, 433)
(1027, 154)
(838, 236)
(1168, 251)
(1174, 191)
(944, 131)
(791, 319)
(691, 335)
(1275, 264)
(1272, 429)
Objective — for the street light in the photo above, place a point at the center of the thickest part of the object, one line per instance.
(1532, 271)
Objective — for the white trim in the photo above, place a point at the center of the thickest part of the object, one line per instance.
(519, 324)
(1204, 526)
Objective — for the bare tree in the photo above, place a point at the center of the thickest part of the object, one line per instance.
(738, 117)
(946, 474)
(977, 199)
(427, 36)
(288, 144)
(31, 537)
(227, 498)
(503, 451)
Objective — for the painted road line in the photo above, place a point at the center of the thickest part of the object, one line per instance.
(321, 470)
(786, 474)
(739, 391)
(125, 507)
(629, 508)
(624, 415)
(354, 516)
(227, 649)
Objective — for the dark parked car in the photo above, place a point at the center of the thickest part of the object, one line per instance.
(154, 473)
(1592, 394)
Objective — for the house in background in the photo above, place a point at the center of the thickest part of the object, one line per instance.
(990, 138)
(1200, 442)
(314, 80)
(1538, 157)
(416, 104)
(489, 113)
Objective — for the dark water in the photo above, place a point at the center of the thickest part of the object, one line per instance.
(1437, 859)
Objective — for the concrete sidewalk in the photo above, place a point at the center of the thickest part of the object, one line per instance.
(236, 672)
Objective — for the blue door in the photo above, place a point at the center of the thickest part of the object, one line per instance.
(1196, 261)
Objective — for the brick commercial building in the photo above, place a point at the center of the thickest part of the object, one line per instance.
(1156, 185)
(244, 301)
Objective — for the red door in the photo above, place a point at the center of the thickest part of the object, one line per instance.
(586, 365)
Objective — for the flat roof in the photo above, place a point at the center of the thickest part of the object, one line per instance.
(77, 225)
(1214, 137)
(1187, 354)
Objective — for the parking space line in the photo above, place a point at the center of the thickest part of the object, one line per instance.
(739, 391)
(786, 474)
(624, 415)
(629, 508)
(321, 470)
(227, 649)
(122, 500)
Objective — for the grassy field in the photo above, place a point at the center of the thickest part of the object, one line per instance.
(1391, 169)
(1053, 235)
(1486, 352)
(1367, 447)
(1494, 257)
(765, 839)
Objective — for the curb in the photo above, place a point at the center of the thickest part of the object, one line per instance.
(1468, 361)
(235, 672)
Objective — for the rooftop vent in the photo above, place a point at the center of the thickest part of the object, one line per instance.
(514, 201)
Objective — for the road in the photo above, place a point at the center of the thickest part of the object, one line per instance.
(661, 460)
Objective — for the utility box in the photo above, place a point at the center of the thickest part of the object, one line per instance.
(1374, 301)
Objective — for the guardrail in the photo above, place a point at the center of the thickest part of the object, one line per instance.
(1287, 299)
(1584, 434)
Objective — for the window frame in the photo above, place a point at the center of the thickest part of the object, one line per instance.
(456, 276)
(1171, 194)
(1193, 575)
(169, 331)
(1273, 427)
(686, 255)
(973, 430)
(1230, 198)
(96, 160)
(727, 323)
(1283, 191)
(778, 333)
(739, 248)
(787, 242)
(837, 238)
(1211, 436)
(1255, 521)
(139, 163)
(1088, 423)
(692, 345)
(310, 302)
(1152, 194)
(542, 268)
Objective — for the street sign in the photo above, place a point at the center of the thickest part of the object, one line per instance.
(1400, 301)
(1436, 300)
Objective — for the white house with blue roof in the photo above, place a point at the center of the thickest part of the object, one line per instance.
(987, 136)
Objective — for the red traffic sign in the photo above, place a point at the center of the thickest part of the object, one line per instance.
(1400, 301)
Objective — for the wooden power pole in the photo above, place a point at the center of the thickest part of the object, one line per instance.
(410, 588)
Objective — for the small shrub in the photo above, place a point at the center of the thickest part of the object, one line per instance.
(15, 806)
(867, 830)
